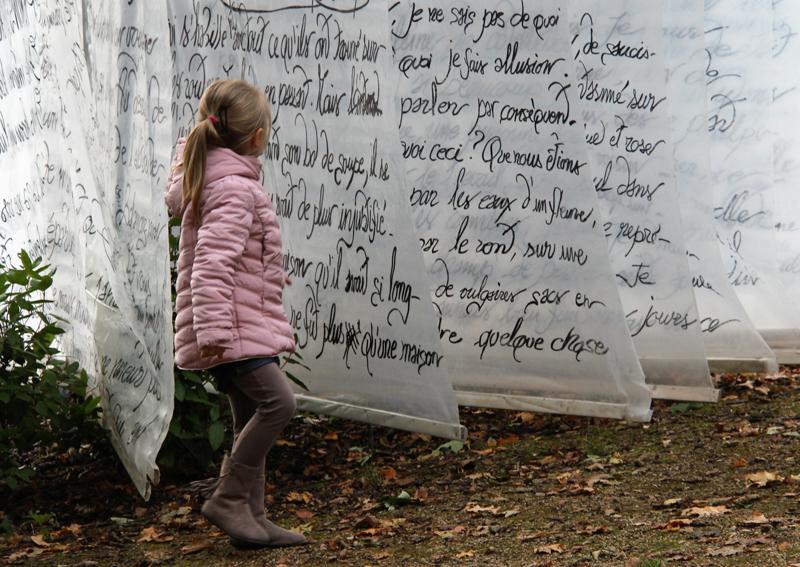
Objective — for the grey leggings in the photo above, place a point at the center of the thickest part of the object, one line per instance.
(262, 404)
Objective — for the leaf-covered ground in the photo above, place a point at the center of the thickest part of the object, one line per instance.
(702, 484)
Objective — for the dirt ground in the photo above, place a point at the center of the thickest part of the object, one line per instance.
(702, 484)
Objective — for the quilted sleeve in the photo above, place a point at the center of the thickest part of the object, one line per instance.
(226, 218)
(173, 196)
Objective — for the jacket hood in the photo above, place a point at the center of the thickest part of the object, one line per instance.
(222, 162)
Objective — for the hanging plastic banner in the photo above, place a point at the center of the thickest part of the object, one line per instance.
(740, 91)
(39, 202)
(97, 212)
(786, 151)
(127, 132)
(360, 300)
(618, 49)
(505, 211)
(730, 339)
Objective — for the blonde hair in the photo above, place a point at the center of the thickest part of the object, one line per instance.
(228, 115)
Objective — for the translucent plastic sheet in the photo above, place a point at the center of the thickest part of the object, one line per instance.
(503, 204)
(201, 55)
(359, 301)
(730, 339)
(486, 141)
(618, 52)
(94, 177)
(786, 149)
(740, 90)
(127, 130)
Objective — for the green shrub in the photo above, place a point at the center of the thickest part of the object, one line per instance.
(197, 431)
(43, 398)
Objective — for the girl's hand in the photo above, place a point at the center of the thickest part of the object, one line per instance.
(287, 280)
(212, 351)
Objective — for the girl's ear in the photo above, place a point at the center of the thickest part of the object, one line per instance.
(258, 140)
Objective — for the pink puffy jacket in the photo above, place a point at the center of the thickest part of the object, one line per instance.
(230, 273)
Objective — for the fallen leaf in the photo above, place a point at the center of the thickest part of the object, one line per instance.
(406, 481)
(465, 554)
(726, 551)
(388, 473)
(526, 417)
(757, 519)
(299, 497)
(368, 521)
(669, 503)
(508, 440)
(420, 494)
(706, 511)
(402, 499)
(599, 479)
(331, 436)
(479, 475)
(592, 530)
(739, 463)
(747, 430)
(39, 540)
(304, 514)
(197, 546)
(675, 525)
(746, 542)
(763, 479)
(452, 446)
(533, 536)
(73, 530)
(549, 549)
(451, 534)
(152, 535)
(478, 509)
(178, 516)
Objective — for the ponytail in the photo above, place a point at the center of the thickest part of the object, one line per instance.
(230, 111)
(195, 153)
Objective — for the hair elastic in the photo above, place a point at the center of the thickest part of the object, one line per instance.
(213, 119)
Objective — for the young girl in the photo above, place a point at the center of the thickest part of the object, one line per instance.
(229, 313)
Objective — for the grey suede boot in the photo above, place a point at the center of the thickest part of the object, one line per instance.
(229, 507)
(278, 536)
